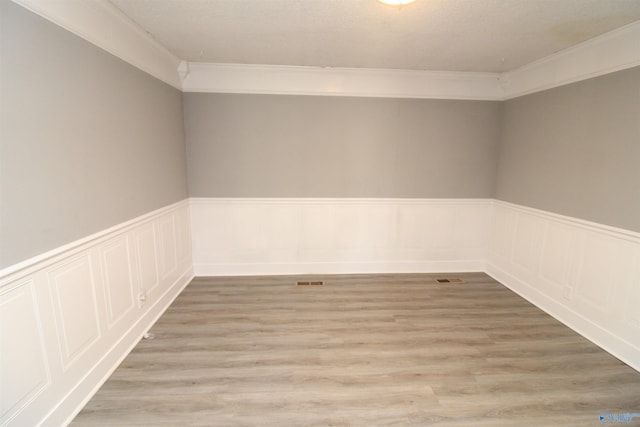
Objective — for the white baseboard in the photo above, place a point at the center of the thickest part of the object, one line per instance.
(258, 269)
(584, 274)
(617, 346)
(68, 317)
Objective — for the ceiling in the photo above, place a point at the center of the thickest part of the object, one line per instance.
(442, 35)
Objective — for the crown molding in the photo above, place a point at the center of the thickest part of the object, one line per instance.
(102, 24)
(613, 51)
(295, 80)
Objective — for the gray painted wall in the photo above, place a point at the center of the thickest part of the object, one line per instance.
(575, 150)
(88, 141)
(306, 146)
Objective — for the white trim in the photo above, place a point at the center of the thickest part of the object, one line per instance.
(89, 385)
(606, 339)
(256, 236)
(613, 51)
(100, 343)
(596, 227)
(183, 71)
(295, 80)
(265, 269)
(582, 273)
(334, 200)
(38, 262)
(101, 23)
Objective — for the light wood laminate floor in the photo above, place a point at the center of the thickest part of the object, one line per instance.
(361, 351)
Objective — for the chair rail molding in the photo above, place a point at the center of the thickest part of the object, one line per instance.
(69, 317)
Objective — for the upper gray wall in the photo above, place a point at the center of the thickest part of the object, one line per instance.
(87, 141)
(575, 150)
(306, 146)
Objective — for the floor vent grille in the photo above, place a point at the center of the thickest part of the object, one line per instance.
(312, 283)
(449, 280)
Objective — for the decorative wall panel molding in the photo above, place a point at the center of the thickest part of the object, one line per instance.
(168, 253)
(24, 352)
(146, 244)
(584, 274)
(75, 307)
(120, 288)
(297, 236)
(79, 312)
(78, 320)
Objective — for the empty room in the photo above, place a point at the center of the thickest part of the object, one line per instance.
(319, 212)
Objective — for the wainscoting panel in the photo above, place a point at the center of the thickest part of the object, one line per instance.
(146, 245)
(69, 317)
(167, 246)
(585, 274)
(309, 236)
(76, 316)
(82, 308)
(120, 288)
(182, 221)
(24, 352)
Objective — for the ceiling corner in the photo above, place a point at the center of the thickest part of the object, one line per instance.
(102, 24)
(613, 51)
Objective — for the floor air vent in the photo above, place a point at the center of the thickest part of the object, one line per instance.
(315, 283)
(450, 280)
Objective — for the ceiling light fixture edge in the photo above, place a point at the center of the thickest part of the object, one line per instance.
(396, 3)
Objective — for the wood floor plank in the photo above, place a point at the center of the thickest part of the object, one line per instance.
(361, 350)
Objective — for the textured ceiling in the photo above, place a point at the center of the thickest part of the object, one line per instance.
(445, 35)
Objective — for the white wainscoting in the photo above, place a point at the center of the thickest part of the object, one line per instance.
(69, 317)
(584, 274)
(309, 236)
